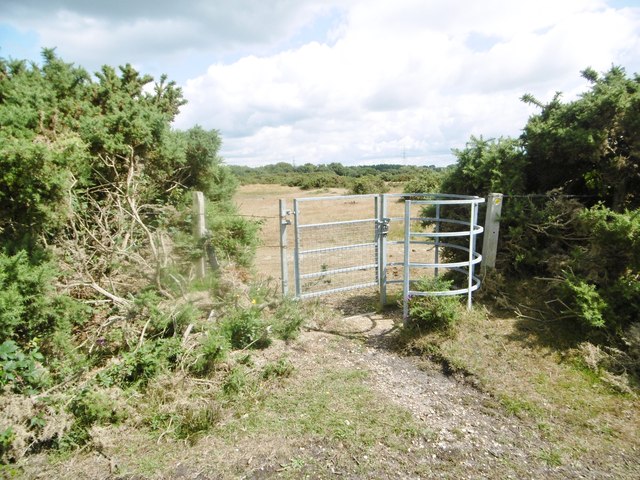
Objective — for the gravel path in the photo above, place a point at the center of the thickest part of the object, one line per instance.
(472, 435)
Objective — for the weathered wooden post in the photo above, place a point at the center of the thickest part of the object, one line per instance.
(491, 230)
(199, 231)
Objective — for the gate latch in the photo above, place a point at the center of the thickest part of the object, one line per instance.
(383, 226)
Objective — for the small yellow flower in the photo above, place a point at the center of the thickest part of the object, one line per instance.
(253, 300)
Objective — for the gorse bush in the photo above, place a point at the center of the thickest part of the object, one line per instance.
(287, 319)
(570, 214)
(29, 305)
(368, 184)
(430, 312)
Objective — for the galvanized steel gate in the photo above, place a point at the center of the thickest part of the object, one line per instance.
(351, 242)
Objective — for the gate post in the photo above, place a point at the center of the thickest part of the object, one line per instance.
(382, 229)
(491, 230)
(199, 231)
(284, 254)
(296, 247)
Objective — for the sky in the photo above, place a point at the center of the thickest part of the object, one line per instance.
(351, 81)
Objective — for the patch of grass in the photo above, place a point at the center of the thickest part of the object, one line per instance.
(553, 458)
(574, 409)
(518, 407)
(333, 406)
(280, 368)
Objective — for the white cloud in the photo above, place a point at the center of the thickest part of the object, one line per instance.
(407, 76)
(351, 81)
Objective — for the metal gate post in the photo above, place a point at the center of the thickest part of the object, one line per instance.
(383, 226)
(437, 241)
(296, 251)
(406, 270)
(472, 242)
(284, 254)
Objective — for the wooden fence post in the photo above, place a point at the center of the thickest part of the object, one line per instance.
(199, 231)
(491, 230)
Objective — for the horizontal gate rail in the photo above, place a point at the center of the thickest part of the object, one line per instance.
(470, 229)
(338, 252)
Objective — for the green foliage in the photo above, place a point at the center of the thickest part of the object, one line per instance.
(93, 406)
(333, 175)
(29, 307)
(280, 368)
(288, 318)
(589, 241)
(428, 182)
(7, 436)
(139, 366)
(235, 382)
(212, 350)
(368, 184)
(21, 370)
(583, 301)
(486, 166)
(231, 236)
(589, 146)
(245, 329)
(433, 312)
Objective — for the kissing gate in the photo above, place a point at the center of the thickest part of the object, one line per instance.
(343, 243)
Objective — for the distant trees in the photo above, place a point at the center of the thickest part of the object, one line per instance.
(333, 174)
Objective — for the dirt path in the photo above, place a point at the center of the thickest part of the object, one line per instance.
(471, 436)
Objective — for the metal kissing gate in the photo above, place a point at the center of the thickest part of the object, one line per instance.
(350, 242)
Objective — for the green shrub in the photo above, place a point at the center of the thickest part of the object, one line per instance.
(92, 407)
(368, 184)
(235, 382)
(21, 370)
(245, 329)
(427, 182)
(139, 366)
(288, 318)
(231, 236)
(7, 436)
(29, 306)
(281, 368)
(212, 350)
(433, 312)
(583, 301)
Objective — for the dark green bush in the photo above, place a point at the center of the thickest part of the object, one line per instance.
(433, 312)
(29, 305)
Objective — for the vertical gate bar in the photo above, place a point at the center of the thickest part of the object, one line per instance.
(376, 236)
(296, 247)
(406, 278)
(284, 253)
(437, 240)
(470, 266)
(382, 260)
(475, 235)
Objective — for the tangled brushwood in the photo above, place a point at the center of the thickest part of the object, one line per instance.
(98, 297)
